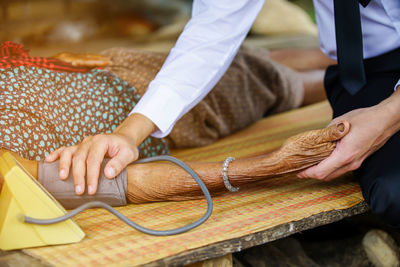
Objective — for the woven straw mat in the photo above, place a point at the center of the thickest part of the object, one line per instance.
(109, 241)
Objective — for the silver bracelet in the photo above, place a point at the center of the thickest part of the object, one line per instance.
(225, 175)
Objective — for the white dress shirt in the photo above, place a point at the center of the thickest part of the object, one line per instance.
(212, 37)
(380, 23)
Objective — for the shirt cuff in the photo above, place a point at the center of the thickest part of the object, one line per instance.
(397, 85)
(162, 106)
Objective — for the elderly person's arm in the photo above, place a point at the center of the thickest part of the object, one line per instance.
(160, 181)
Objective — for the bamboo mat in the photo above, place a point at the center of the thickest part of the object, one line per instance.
(109, 242)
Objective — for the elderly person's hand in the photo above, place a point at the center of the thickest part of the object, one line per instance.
(85, 158)
(370, 129)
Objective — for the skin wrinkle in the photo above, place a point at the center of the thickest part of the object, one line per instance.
(163, 181)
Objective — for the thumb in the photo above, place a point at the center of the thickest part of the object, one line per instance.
(119, 161)
(336, 131)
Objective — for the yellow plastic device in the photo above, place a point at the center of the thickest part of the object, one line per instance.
(23, 195)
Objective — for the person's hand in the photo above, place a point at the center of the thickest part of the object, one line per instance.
(307, 148)
(370, 129)
(84, 60)
(86, 157)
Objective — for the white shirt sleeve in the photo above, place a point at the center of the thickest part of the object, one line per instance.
(202, 54)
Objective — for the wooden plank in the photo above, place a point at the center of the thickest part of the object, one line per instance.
(20, 259)
(224, 261)
(244, 242)
(221, 249)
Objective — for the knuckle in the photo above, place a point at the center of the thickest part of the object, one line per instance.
(65, 161)
(68, 151)
(97, 137)
(87, 139)
(90, 161)
(65, 158)
(79, 157)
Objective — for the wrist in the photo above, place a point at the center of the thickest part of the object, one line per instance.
(136, 128)
(390, 113)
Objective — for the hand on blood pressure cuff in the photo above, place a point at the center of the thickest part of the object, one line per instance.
(110, 191)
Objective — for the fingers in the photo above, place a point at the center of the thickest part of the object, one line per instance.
(65, 155)
(119, 162)
(86, 159)
(325, 168)
(55, 154)
(339, 172)
(342, 129)
(75, 156)
(335, 131)
(65, 161)
(332, 167)
(94, 159)
(79, 167)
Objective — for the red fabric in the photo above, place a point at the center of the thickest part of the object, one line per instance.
(14, 55)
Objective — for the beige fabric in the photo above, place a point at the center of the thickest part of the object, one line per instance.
(253, 86)
(110, 191)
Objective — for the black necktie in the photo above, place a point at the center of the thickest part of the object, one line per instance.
(349, 44)
(364, 3)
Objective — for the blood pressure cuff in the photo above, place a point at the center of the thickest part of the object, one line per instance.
(110, 191)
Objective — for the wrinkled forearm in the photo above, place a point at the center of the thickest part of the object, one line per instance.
(160, 181)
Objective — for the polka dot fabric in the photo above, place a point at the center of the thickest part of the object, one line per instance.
(42, 110)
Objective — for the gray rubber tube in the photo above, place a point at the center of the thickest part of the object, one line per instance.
(98, 204)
